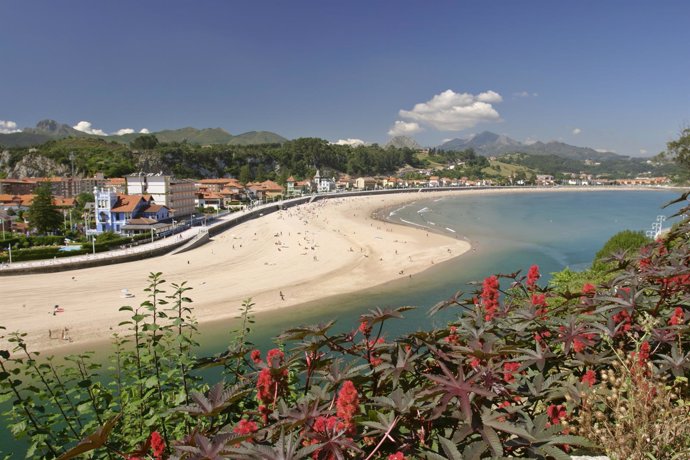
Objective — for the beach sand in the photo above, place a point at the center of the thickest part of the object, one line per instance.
(309, 252)
(287, 258)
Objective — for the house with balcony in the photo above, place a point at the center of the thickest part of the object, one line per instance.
(209, 200)
(114, 211)
(323, 184)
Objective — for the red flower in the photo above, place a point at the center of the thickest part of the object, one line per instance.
(396, 456)
(624, 320)
(245, 427)
(453, 338)
(490, 297)
(542, 336)
(324, 424)
(539, 300)
(556, 413)
(475, 363)
(589, 289)
(678, 317)
(274, 358)
(158, 445)
(590, 378)
(256, 356)
(272, 381)
(347, 404)
(532, 276)
(508, 370)
(578, 345)
(364, 327)
(643, 355)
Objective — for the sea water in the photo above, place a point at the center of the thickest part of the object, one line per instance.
(508, 232)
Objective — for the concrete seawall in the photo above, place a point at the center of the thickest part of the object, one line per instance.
(58, 265)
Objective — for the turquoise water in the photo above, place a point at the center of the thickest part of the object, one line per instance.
(508, 232)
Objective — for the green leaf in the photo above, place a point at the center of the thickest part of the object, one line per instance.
(450, 449)
(491, 438)
(509, 428)
(555, 452)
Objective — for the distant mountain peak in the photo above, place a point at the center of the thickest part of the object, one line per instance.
(403, 142)
(487, 143)
(52, 128)
(48, 125)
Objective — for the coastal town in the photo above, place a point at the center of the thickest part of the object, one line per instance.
(143, 203)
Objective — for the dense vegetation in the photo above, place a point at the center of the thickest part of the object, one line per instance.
(524, 370)
(301, 158)
(614, 168)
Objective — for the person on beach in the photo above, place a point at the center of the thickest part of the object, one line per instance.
(55, 309)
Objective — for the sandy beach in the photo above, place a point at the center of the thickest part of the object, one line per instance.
(287, 258)
(309, 252)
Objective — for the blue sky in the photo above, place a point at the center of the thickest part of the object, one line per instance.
(606, 74)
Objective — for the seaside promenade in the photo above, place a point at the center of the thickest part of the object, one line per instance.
(160, 246)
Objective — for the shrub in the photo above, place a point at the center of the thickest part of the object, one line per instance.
(516, 374)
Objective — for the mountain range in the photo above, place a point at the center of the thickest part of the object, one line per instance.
(489, 144)
(47, 130)
(485, 143)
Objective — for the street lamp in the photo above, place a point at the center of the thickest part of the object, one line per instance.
(3, 228)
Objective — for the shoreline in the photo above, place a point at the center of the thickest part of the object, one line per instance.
(332, 247)
(317, 250)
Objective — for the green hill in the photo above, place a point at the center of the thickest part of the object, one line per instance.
(49, 130)
(256, 138)
(194, 136)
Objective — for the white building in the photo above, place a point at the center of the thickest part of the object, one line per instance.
(324, 184)
(177, 194)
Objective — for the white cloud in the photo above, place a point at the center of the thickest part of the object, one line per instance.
(403, 128)
(530, 141)
(86, 127)
(577, 131)
(7, 127)
(144, 131)
(122, 131)
(605, 150)
(643, 151)
(351, 142)
(451, 111)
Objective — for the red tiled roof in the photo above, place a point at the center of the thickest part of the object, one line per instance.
(155, 207)
(126, 203)
(271, 186)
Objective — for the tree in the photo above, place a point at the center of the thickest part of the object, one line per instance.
(679, 149)
(43, 214)
(627, 240)
(145, 142)
(245, 174)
